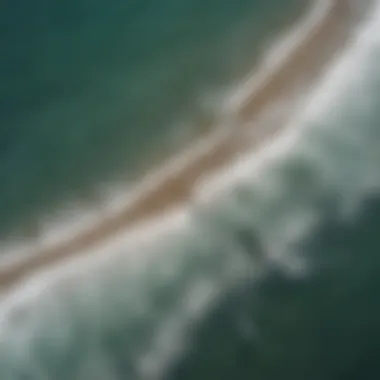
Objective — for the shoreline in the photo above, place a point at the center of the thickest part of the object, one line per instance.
(174, 184)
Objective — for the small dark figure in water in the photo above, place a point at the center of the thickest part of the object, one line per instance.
(252, 247)
(250, 242)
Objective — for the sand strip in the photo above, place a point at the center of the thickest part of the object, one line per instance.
(169, 188)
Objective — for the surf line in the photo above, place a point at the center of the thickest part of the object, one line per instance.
(173, 184)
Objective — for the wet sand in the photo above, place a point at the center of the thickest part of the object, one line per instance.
(174, 187)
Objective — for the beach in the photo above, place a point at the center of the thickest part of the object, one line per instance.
(172, 185)
(266, 265)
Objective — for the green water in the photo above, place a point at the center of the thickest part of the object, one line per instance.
(276, 277)
(95, 91)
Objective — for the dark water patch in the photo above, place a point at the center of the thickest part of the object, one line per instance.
(91, 91)
(324, 326)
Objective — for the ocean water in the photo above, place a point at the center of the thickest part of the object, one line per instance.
(274, 276)
(96, 92)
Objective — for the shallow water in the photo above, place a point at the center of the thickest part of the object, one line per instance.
(275, 276)
(93, 92)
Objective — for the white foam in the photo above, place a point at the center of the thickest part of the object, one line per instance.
(165, 339)
(85, 218)
(318, 104)
(280, 53)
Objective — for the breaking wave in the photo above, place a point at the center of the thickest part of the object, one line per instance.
(271, 273)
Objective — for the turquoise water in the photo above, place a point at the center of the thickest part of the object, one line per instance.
(96, 91)
(275, 277)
